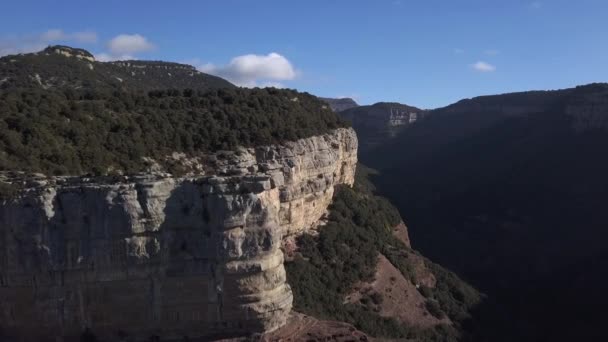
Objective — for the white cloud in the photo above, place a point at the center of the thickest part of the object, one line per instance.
(27, 43)
(106, 57)
(129, 44)
(491, 52)
(124, 47)
(79, 37)
(85, 37)
(483, 67)
(458, 51)
(271, 85)
(254, 70)
(51, 35)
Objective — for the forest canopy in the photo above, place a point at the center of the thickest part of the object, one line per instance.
(70, 131)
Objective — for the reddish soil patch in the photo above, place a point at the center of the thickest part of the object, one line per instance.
(305, 328)
(400, 232)
(423, 275)
(392, 295)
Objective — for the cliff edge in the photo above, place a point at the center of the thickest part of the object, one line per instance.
(157, 255)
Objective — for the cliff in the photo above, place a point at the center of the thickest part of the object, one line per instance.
(168, 256)
(381, 122)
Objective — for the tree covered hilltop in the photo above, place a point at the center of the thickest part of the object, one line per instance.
(63, 127)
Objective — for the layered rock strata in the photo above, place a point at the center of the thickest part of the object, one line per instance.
(156, 255)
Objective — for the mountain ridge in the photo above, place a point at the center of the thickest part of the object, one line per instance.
(340, 104)
(64, 66)
(379, 123)
(525, 169)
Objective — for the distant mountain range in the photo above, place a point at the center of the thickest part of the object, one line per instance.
(49, 68)
(378, 123)
(509, 191)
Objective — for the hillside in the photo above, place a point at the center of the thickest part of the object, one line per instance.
(67, 67)
(359, 269)
(159, 205)
(86, 121)
(379, 123)
(507, 190)
(338, 105)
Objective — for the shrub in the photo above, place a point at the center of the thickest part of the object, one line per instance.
(346, 252)
(434, 309)
(67, 131)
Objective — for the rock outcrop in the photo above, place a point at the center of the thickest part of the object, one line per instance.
(156, 255)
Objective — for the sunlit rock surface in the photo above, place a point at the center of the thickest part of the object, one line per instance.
(159, 255)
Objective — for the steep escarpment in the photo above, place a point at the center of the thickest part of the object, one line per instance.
(484, 175)
(160, 255)
(379, 123)
(139, 202)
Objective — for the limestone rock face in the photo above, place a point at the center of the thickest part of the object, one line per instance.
(159, 255)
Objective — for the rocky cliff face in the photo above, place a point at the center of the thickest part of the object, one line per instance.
(160, 255)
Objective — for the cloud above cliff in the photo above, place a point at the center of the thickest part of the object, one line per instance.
(125, 47)
(129, 44)
(26, 43)
(482, 66)
(254, 70)
(78, 37)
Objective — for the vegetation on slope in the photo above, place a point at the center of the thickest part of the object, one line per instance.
(340, 104)
(346, 251)
(66, 131)
(48, 69)
(509, 192)
(379, 123)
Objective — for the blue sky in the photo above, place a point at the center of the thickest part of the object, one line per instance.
(423, 53)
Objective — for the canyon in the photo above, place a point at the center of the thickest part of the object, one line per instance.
(158, 255)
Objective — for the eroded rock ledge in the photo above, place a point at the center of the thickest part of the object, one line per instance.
(158, 255)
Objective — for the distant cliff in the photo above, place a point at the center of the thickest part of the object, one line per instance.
(159, 255)
(380, 122)
(528, 169)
